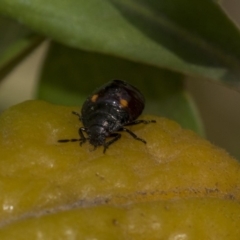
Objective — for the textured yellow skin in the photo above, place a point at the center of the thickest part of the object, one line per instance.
(177, 186)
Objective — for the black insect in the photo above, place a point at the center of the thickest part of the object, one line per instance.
(107, 111)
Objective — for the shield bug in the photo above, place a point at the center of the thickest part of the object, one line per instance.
(107, 112)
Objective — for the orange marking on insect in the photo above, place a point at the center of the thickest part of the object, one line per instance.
(123, 103)
(94, 98)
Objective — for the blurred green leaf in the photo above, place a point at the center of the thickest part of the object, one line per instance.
(16, 42)
(70, 75)
(189, 36)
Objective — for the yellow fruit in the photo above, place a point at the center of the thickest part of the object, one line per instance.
(177, 186)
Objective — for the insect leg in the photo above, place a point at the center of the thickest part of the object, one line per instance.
(107, 144)
(77, 114)
(83, 139)
(133, 135)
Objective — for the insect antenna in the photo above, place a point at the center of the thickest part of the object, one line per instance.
(70, 140)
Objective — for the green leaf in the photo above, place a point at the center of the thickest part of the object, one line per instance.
(16, 42)
(70, 75)
(189, 36)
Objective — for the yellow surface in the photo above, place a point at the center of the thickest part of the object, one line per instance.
(177, 186)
